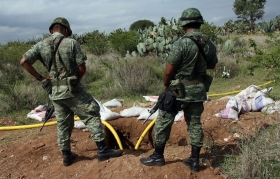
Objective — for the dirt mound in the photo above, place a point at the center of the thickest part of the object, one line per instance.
(29, 153)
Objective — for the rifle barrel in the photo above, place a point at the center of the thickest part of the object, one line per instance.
(48, 115)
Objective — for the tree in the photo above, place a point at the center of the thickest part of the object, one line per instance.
(141, 24)
(249, 10)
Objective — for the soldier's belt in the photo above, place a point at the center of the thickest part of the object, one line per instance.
(59, 82)
(189, 82)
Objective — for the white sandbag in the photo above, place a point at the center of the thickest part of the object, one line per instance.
(39, 112)
(113, 103)
(271, 108)
(42, 107)
(179, 117)
(38, 115)
(132, 112)
(253, 91)
(145, 114)
(79, 125)
(245, 105)
(106, 116)
(151, 98)
(228, 113)
(263, 92)
(102, 107)
(260, 102)
(234, 103)
(249, 92)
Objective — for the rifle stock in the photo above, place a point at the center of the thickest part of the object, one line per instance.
(152, 111)
(48, 115)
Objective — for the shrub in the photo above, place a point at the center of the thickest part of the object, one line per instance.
(95, 42)
(211, 30)
(141, 24)
(123, 42)
(16, 86)
(124, 77)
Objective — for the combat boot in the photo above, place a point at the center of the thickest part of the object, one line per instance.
(193, 160)
(104, 152)
(68, 157)
(156, 159)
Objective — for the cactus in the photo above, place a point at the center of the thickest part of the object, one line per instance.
(268, 26)
(159, 39)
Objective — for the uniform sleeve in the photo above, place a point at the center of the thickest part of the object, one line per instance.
(33, 54)
(80, 56)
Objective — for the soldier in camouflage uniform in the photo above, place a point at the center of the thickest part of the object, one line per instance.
(186, 63)
(66, 66)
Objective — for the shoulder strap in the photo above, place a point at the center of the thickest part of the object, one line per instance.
(198, 45)
(200, 50)
(54, 52)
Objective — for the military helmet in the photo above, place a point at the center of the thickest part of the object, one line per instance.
(62, 21)
(190, 15)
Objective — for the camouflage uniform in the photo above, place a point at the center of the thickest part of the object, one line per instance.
(66, 103)
(183, 57)
(186, 64)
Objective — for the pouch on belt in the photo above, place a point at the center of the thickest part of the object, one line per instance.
(177, 88)
(47, 86)
(73, 84)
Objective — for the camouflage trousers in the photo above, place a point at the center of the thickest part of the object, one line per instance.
(192, 113)
(86, 108)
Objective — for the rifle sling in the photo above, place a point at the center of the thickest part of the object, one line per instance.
(54, 52)
(200, 50)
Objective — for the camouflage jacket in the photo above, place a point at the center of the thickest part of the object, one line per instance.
(184, 57)
(71, 57)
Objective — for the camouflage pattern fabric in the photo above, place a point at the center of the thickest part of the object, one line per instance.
(66, 103)
(190, 15)
(192, 113)
(62, 21)
(71, 57)
(86, 108)
(184, 56)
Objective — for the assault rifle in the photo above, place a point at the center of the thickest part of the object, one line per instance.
(152, 111)
(48, 115)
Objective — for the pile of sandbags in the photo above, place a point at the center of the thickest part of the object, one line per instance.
(251, 99)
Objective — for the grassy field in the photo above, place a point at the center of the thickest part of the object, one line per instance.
(112, 76)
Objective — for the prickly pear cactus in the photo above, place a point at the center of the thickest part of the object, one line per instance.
(159, 39)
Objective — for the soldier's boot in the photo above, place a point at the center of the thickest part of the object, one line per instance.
(156, 159)
(104, 152)
(193, 160)
(68, 157)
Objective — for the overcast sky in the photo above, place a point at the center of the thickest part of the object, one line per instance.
(24, 19)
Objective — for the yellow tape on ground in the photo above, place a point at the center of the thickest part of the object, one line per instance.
(235, 92)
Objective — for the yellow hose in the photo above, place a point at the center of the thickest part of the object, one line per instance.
(144, 133)
(26, 126)
(54, 122)
(114, 133)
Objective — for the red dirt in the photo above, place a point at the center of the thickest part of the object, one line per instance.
(29, 153)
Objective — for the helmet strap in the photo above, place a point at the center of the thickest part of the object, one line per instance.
(190, 18)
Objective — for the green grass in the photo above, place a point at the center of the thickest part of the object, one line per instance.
(238, 83)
